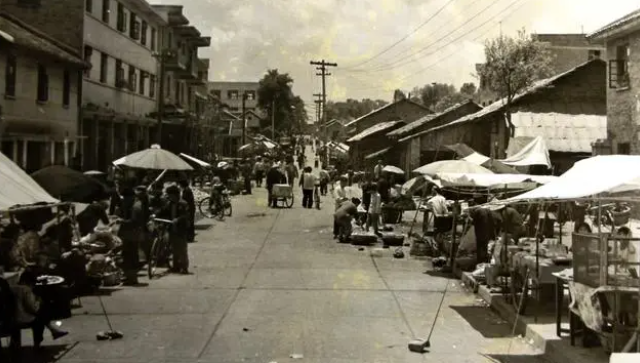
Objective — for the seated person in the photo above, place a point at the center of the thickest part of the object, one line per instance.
(32, 311)
(217, 190)
(88, 219)
(343, 217)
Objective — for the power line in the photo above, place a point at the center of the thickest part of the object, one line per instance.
(403, 38)
(403, 61)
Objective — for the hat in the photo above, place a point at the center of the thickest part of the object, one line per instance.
(173, 190)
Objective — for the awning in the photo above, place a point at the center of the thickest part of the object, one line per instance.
(195, 160)
(491, 180)
(6, 36)
(477, 158)
(377, 153)
(18, 188)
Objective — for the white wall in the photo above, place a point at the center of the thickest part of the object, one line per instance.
(50, 115)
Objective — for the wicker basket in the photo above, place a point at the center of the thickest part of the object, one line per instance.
(391, 215)
(393, 240)
(621, 218)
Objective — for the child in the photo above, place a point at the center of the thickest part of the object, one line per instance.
(217, 188)
(375, 208)
(343, 217)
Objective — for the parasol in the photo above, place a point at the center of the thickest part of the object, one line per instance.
(393, 170)
(154, 158)
(70, 185)
(452, 166)
(195, 160)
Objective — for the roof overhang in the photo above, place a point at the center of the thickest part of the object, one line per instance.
(174, 14)
(201, 41)
(617, 29)
(187, 31)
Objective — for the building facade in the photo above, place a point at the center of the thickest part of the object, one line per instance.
(621, 39)
(403, 109)
(39, 106)
(230, 93)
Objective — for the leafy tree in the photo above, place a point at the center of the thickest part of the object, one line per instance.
(450, 101)
(468, 89)
(276, 97)
(352, 109)
(512, 65)
(431, 94)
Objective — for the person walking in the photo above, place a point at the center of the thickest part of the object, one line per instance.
(374, 210)
(131, 218)
(274, 176)
(246, 171)
(324, 180)
(377, 170)
(258, 171)
(291, 172)
(187, 196)
(308, 183)
(177, 211)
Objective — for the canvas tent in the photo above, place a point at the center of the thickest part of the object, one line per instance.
(18, 188)
(534, 153)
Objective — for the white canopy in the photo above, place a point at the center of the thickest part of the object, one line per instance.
(534, 153)
(195, 160)
(393, 170)
(491, 180)
(590, 177)
(18, 187)
(476, 158)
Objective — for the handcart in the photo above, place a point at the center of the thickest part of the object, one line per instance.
(283, 193)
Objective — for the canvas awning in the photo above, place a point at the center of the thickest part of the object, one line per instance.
(491, 180)
(377, 153)
(18, 188)
(195, 160)
(534, 153)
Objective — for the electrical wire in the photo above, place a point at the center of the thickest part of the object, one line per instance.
(403, 38)
(412, 57)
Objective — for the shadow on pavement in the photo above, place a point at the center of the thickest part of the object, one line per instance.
(484, 321)
(28, 354)
(203, 226)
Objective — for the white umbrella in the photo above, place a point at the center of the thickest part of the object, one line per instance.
(201, 163)
(154, 158)
(393, 169)
(451, 166)
(95, 172)
(418, 183)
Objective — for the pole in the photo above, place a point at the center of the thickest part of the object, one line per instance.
(323, 73)
(161, 97)
(273, 119)
(244, 120)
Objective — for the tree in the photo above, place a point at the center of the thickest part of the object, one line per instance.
(431, 94)
(276, 97)
(352, 109)
(512, 65)
(451, 100)
(468, 89)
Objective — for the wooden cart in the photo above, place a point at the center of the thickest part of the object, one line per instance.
(283, 193)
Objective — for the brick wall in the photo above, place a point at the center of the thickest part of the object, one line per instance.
(62, 20)
(623, 104)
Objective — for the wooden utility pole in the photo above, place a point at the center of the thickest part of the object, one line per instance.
(318, 102)
(322, 67)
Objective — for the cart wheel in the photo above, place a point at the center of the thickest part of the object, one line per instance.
(288, 201)
(204, 207)
(519, 293)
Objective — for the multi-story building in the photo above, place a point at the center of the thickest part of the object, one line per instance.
(185, 79)
(622, 43)
(39, 101)
(231, 93)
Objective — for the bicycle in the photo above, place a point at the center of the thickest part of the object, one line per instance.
(207, 208)
(160, 252)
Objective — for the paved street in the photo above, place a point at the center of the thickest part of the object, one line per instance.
(271, 283)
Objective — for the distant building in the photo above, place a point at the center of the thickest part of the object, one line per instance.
(622, 41)
(230, 93)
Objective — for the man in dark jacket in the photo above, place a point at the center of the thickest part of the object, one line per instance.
(177, 211)
(485, 231)
(274, 176)
(187, 196)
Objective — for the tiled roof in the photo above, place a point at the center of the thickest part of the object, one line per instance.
(561, 132)
(25, 36)
(615, 25)
(500, 104)
(383, 126)
(351, 123)
(424, 120)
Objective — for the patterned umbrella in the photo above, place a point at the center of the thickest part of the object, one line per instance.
(154, 158)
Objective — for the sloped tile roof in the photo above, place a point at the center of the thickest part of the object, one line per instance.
(351, 123)
(615, 25)
(425, 120)
(25, 36)
(561, 132)
(383, 126)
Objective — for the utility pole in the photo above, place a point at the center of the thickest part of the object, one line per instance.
(318, 103)
(273, 119)
(322, 67)
(244, 119)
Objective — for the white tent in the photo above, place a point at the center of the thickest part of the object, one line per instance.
(492, 180)
(18, 187)
(534, 153)
(590, 177)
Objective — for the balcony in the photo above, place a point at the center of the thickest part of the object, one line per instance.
(202, 73)
(175, 61)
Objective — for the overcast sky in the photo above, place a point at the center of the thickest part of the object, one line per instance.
(250, 36)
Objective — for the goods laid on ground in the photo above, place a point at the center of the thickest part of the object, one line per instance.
(393, 239)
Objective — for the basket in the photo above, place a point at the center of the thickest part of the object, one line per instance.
(282, 191)
(621, 218)
(363, 239)
(393, 240)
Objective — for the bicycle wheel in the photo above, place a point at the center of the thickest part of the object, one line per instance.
(154, 256)
(205, 207)
(228, 209)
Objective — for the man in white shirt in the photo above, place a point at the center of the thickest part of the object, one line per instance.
(437, 205)
(340, 196)
(377, 170)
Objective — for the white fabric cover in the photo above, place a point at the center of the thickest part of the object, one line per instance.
(491, 180)
(393, 169)
(476, 158)
(451, 166)
(534, 153)
(195, 160)
(18, 187)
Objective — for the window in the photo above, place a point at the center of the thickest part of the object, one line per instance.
(134, 27)
(88, 53)
(251, 95)
(216, 93)
(66, 87)
(133, 80)
(88, 6)
(619, 68)
(143, 33)
(232, 95)
(10, 76)
(143, 77)
(106, 10)
(152, 86)
(122, 19)
(153, 39)
(120, 81)
(624, 148)
(594, 54)
(104, 67)
(43, 84)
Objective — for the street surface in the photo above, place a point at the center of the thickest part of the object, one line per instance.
(271, 283)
